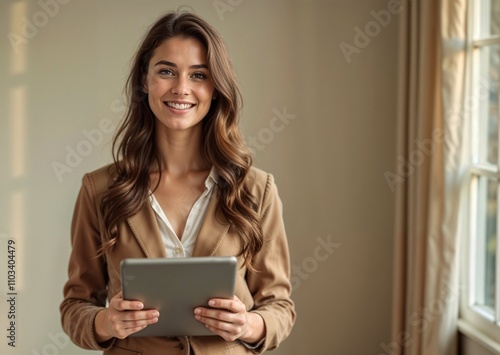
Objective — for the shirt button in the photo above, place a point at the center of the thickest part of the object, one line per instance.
(178, 250)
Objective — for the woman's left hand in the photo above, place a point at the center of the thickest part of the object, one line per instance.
(230, 319)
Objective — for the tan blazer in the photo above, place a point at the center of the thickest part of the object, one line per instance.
(92, 280)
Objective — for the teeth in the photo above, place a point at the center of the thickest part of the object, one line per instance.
(179, 106)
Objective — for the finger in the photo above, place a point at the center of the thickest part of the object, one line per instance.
(137, 323)
(122, 328)
(124, 305)
(230, 335)
(215, 317)
(219, 325)
(120, 304)
(217, 314)
(139, 315)
(233, 305)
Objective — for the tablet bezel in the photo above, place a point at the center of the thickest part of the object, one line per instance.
(185, 282)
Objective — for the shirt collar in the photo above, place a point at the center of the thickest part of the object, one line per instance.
(210, 181)
(212, 178)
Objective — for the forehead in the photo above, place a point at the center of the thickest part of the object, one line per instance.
(181, 51)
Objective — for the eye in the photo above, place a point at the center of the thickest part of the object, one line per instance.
(199, 76)
(166, 72)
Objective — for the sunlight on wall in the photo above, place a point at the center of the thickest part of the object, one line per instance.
(18, 11)
(17, 119)
(18, 129)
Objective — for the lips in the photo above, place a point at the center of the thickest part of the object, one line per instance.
(178, 105)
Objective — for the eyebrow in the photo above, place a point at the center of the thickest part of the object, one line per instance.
(195, 66)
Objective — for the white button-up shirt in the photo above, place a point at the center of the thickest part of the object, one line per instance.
(181, 248)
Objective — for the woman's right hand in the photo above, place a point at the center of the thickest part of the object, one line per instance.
(122, 318)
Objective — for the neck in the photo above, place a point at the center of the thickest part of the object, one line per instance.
(180, 151)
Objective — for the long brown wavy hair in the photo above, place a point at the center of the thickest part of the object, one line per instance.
(134, 149)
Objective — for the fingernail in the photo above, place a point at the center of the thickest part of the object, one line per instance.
(197, 311)
(211, 303)
(156, 314)
(139, 305)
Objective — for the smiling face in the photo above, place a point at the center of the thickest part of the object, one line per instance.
(179, 84)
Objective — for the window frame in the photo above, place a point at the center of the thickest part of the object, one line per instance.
(473, 315)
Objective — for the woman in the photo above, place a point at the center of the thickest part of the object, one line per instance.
(181, 185)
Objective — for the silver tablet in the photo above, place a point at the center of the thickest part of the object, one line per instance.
(175, 287)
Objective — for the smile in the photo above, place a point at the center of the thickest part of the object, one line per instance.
(179, 106)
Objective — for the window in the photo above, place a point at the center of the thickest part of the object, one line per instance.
(481, 306)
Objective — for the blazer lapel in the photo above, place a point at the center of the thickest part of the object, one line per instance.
(213, 229)
(145, 228)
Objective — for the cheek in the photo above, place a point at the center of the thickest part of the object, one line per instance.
(151, 102)
(206, 94)
(153, 85)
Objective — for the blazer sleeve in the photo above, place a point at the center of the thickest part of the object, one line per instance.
(85, 291)
(270, 284)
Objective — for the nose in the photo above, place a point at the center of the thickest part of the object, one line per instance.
(181, 86)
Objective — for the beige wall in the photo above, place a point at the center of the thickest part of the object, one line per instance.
(65, 80)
